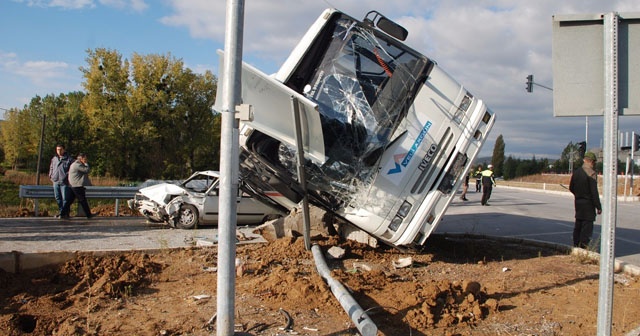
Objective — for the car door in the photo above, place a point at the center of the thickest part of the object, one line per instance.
(250, 211)
(210, 208)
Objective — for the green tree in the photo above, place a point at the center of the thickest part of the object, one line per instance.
(65, 123)
(509, 169)
(17, 137)
(497, 159)
(152, 117)
(116, 129)
(177, 102)
(569, 159)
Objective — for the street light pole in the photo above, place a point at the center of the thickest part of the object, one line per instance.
(44, 118)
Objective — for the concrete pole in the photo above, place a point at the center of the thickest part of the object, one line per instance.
(229, 167)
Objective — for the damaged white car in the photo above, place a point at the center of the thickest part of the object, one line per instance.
(194, 202)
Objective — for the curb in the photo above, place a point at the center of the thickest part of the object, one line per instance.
(619, 265)
(17, 261)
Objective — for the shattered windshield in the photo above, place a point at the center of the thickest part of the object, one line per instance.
(364, 85)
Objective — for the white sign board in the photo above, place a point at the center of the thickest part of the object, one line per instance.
(578, 64)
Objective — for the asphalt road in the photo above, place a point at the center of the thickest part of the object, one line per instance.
(45, 234)
(516, 213)
(537, 215)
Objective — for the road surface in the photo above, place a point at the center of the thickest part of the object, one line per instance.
(538, 215)
(517, 213)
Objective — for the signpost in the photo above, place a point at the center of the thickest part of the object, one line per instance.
(592, 59)
(229, 166)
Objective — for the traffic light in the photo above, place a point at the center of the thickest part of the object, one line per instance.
(530, 83)
(635, 144)
(582, 148)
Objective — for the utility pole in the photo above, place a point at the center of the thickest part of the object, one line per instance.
(44, 118)
(229, 166)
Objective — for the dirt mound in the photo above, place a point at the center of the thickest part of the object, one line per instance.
(454, 287)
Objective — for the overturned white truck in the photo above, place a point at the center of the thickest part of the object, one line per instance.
(387, 135)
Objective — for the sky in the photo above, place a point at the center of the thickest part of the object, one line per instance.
(489, 46)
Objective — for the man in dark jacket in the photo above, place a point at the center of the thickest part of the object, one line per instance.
(58, 173)
(584, 187)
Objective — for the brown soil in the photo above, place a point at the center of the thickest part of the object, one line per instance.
(455, 286)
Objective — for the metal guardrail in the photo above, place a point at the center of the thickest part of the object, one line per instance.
(32, 191)
(117, 193)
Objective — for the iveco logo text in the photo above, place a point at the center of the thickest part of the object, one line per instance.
(407, 158)
(426, 160)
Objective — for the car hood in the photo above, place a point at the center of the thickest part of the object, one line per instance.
(159, 192)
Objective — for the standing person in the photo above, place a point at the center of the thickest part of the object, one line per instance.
(59, 175)
(478, 175)
(465, 187)
(584, 187)
(487, 184)
(79, 179)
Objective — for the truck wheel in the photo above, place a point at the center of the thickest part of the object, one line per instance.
(187, 217)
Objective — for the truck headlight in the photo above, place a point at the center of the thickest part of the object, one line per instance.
(404, 209)
(395, 223)
(400, 215)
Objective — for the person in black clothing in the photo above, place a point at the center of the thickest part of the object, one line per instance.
(79, 179)
(465, 187)
(584, 187)
(478, 176)
(487, 184)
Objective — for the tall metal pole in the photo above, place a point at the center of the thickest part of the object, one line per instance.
(44, 118)
(633, 139)
(302, 177)
(586, 133)
(229, 167)
(610, 149)
(36, 203)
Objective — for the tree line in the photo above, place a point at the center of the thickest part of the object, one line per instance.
(570, 159)
(148, 117)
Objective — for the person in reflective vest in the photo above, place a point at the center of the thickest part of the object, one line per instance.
(487, 184)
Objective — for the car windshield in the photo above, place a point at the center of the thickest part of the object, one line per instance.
(199, 183)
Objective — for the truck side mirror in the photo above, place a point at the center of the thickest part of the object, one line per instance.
(391, 28)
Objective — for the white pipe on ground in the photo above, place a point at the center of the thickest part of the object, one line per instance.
(362, 321)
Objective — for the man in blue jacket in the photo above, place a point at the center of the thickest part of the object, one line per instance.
(58, 173)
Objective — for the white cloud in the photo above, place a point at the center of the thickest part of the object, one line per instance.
(66, 4)
(42, 74)
(135, 5)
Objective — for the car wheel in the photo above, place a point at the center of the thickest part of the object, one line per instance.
(187, 217)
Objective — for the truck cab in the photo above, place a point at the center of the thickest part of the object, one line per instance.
(387, 135)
